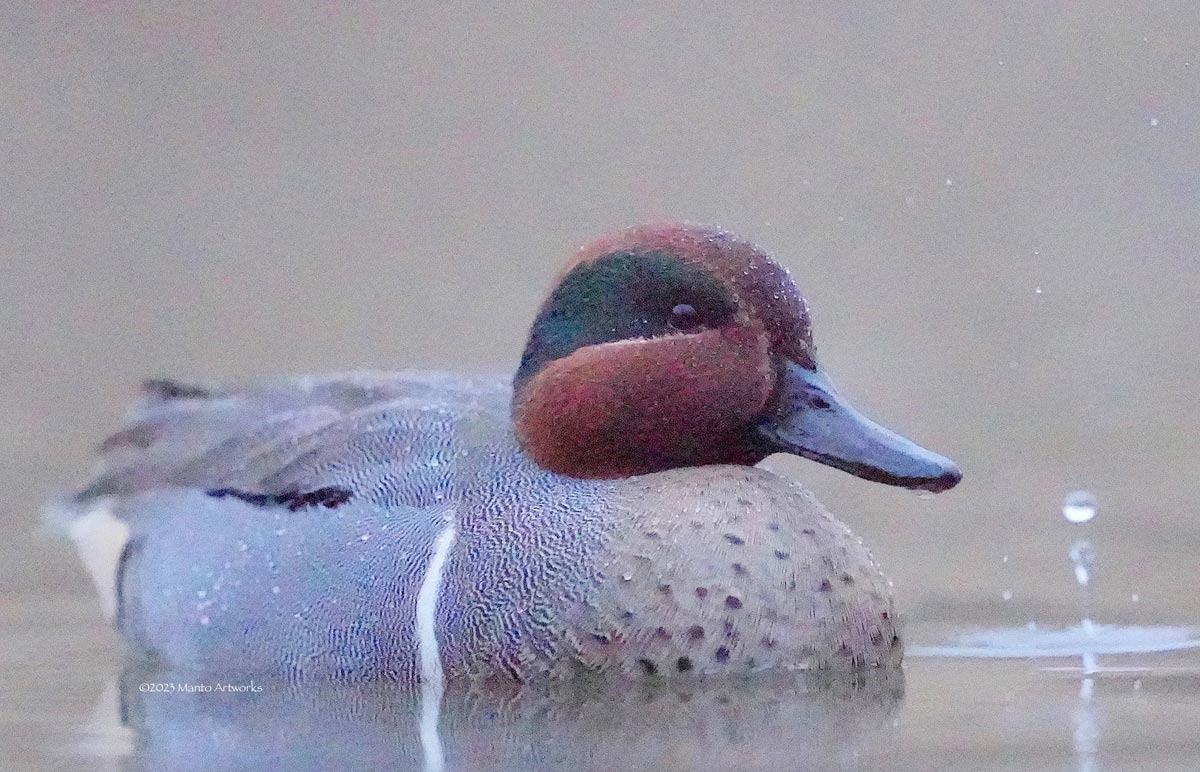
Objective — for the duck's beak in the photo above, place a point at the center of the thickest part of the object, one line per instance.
(811, 419)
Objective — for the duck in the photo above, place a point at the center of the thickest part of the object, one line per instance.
(599, 512)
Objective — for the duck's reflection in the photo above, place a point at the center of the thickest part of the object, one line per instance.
(793, 722)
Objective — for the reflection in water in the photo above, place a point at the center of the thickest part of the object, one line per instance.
(103, 737)
(798, 721)
(1087, 729)
(431, 713)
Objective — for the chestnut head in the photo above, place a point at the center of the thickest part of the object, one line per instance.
(679, 345)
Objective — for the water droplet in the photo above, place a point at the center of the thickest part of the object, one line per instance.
(1153, 121)
(275, 590)
(1007, 595)
(243, 546)
(365, 537)
(1079, 507)
(1037, 290)
(1135, 597)
(204, 620)
(201, 593)
(626, 577)
(1004, 559)
(1083, 559)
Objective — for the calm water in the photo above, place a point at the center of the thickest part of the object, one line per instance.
(92, 712)
(992, 210)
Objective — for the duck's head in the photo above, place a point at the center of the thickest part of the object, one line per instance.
(679, 345)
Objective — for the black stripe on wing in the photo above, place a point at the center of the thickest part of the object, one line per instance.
(329, 497)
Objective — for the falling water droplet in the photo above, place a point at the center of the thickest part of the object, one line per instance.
(1083, 559)
(1079, 507)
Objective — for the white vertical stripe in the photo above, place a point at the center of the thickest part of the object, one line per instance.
(100, 538)
(427, 644)
(432, 677)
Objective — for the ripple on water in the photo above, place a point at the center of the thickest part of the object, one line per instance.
(1034, 641)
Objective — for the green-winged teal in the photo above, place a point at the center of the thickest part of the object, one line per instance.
(600, 511)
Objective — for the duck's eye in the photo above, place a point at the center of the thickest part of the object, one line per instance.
(684, 317)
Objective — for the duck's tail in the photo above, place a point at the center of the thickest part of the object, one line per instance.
(99, 537)
(89, 518)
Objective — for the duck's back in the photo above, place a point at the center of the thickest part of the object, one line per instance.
(286, 433)
(388, 525)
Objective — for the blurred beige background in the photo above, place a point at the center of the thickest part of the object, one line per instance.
(992, 209)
